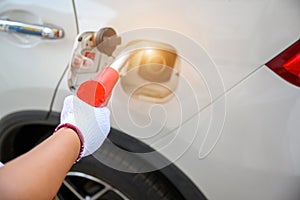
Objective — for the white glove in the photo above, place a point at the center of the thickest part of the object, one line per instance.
(93, 123)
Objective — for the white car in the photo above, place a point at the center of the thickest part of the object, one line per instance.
(210, 111)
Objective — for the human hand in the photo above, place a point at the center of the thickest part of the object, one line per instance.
(93, 123)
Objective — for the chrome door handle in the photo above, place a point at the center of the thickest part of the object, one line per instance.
(44, 31)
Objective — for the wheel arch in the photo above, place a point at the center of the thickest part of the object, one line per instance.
(36, 125)
(12, 124)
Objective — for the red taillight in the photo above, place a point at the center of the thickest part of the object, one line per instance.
(293, 65)
(287, 64)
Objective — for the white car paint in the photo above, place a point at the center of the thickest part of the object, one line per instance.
(31, 67)
(248, 149)
(239, 35)
(255, 154)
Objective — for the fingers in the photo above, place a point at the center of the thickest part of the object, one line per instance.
(103, 119)
(67, 108)
(106, 101)
(93, 123)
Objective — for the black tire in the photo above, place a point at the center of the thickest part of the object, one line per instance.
(150, 185)
(19, 132)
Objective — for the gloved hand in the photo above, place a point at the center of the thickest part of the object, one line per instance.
(92, 123)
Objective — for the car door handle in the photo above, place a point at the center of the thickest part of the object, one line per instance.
(44, 31)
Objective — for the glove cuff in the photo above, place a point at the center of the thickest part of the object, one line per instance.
(78, 132)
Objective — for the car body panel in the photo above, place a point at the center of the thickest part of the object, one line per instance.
(239, 35)
(241, 142)
(257, 156)
(31, 66)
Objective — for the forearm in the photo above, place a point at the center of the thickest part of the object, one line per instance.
(39, 173)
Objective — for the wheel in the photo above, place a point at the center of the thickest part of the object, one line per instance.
(79, 185)
(90, 179)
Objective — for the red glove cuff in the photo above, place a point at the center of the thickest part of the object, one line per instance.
(78, 132)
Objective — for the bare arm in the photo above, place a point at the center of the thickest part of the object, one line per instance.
(39, 173)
